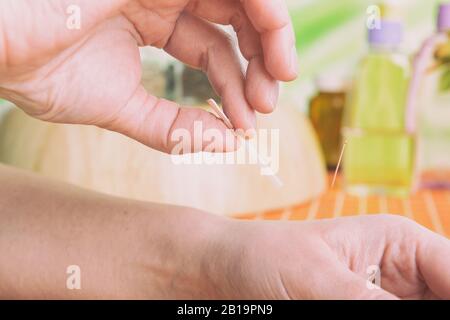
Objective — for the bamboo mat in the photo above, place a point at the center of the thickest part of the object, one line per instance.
(430, 208)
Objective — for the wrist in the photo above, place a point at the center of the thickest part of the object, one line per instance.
(188, 251)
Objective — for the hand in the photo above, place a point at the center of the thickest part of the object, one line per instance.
(92, 75)
(330, 260)
(130, 249)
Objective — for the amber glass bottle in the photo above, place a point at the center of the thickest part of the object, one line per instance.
(326, 111)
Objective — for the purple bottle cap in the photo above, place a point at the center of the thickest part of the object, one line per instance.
(443, 22)
(387, 33)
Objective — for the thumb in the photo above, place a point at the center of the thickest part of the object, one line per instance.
(359, 288)
(340, 283)
(165, 126)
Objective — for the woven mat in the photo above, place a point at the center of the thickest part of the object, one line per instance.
(431, 208)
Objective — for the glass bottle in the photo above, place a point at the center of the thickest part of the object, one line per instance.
(379, 154)
(325, 111)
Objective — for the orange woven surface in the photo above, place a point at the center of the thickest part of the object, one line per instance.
(427, 207)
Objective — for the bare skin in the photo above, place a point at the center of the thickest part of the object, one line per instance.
(128, 249)
(92, 75)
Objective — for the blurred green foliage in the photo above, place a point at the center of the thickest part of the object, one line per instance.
(311, 22)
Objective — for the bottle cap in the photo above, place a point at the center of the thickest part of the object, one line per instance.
(443, 22)
(388, 33)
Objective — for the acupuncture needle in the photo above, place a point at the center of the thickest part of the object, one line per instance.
(338, 165)
(276, 181)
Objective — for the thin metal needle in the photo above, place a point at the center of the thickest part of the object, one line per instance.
(339, 164)
(262, 163)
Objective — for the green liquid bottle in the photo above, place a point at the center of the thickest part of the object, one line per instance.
(379, 155)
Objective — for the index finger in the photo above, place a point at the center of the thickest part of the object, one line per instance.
(271, 19)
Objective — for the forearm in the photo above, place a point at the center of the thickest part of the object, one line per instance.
(125, 249)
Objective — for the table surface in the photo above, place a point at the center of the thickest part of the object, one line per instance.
(431, 208)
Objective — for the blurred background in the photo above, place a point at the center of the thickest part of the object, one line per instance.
(332, 42)
(332, 36)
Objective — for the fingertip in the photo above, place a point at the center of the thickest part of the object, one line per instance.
(267, 15)
(247, 124)
(293, 69)
(283, 67)
(261, 88)
(239, 111)
(262, 103)
(280, 54)
(226, 142)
